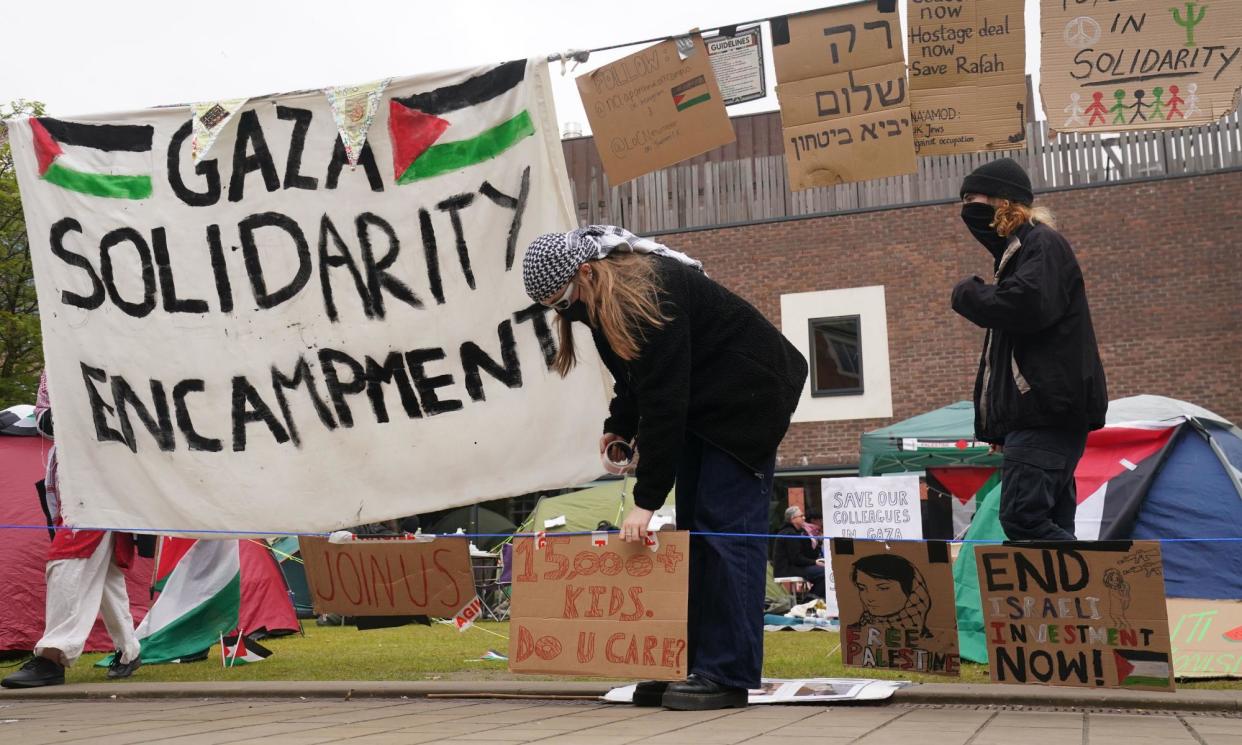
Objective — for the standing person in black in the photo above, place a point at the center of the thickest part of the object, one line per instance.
(704, 390)
(798, 558)
(1040, 386)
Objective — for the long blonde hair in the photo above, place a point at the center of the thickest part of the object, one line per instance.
(622, 301)
(1011, 215)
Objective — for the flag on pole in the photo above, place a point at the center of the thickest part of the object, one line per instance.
(237, 649)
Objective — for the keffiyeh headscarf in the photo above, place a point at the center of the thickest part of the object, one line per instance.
(912, 616)
(552, 259)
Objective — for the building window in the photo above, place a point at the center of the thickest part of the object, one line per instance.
(836, 354)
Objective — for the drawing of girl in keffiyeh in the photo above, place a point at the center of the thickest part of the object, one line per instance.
(893, 593)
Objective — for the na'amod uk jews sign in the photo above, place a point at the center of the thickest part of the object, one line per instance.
(266, 336)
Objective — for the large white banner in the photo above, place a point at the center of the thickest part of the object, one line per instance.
(266, 337)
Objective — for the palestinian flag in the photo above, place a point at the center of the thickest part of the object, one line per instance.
(200, 601)
(169, 554)
(1114, 474)
(693, 91)
(1141, 669)
(963, 485)
(458, 126)
(102, 160)
(236, 649)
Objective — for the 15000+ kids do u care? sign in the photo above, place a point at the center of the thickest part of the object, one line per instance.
(265, 337)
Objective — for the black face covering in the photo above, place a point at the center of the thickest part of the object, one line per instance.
(577, 311)
(978, 217)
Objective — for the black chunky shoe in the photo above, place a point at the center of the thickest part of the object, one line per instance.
(701, 694)
(36, 673)
(650, 692)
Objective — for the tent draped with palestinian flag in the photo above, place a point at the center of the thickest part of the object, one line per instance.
(457, 126)
(1160, 469)
(99, 160)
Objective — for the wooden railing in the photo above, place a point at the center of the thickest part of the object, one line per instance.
(748, 181)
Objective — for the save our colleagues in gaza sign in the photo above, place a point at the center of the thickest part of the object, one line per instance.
(271, 338)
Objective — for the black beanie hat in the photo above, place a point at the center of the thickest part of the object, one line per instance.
(1002, 178)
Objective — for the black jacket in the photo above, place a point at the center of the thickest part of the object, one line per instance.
(1040, 366)
(717, 369)
(789, 557)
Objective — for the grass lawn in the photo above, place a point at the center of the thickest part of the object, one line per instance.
(441, 653)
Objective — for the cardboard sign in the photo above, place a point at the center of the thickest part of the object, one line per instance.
(1139, 64)
(843, 98)
(615, 611)
(873, 507)
(738, 63)
(967, 75)
(896, 603)
(653, 109)
(1085, 614)
(378, 577)
(1206, 637)
(260, 322)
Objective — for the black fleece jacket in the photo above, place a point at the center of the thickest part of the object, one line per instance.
(1040, 365)
(717, 368)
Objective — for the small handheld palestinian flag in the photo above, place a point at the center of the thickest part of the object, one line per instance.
(239, 650)
(101, 160)
(480, 116)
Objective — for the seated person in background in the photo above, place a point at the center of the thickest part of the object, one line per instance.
(798, 558)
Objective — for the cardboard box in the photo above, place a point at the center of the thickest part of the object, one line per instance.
(834, 40)
(1087, 614)
(1206, 637)
(896, 605)
(653, 109)
(612, 610)
(382, 577)
(855, 148)
(967, 75)
(1139, 64)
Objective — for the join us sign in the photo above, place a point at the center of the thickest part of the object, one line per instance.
(290, 333)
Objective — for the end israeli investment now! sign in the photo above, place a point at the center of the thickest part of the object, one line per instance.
(270, 338)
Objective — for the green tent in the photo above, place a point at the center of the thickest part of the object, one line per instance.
(944, 437)
(985, 527)
(585, 509)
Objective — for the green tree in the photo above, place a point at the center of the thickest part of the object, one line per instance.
(21, 341)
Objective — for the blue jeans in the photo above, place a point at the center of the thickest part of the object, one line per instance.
(728, 576)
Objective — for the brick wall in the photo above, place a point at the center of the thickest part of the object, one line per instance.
(1163, 267)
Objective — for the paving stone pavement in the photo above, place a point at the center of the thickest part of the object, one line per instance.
(465, 721)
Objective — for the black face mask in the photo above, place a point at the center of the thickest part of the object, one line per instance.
(577, 311)
(978, 217)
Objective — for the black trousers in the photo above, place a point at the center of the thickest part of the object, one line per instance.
(1038, 498)
(728, 576)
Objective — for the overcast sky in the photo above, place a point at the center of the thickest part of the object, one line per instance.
(86, 56)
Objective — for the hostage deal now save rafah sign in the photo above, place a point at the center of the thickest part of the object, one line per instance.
(270, 338)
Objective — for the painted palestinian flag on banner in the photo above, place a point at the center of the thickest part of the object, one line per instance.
(691, 92)
(200, 601)
(237, 649)
(458, 126)
(1143, 669)
(101, 160)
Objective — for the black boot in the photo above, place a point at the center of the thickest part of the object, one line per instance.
(650, 692)
(36, 673)
(700, 694)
